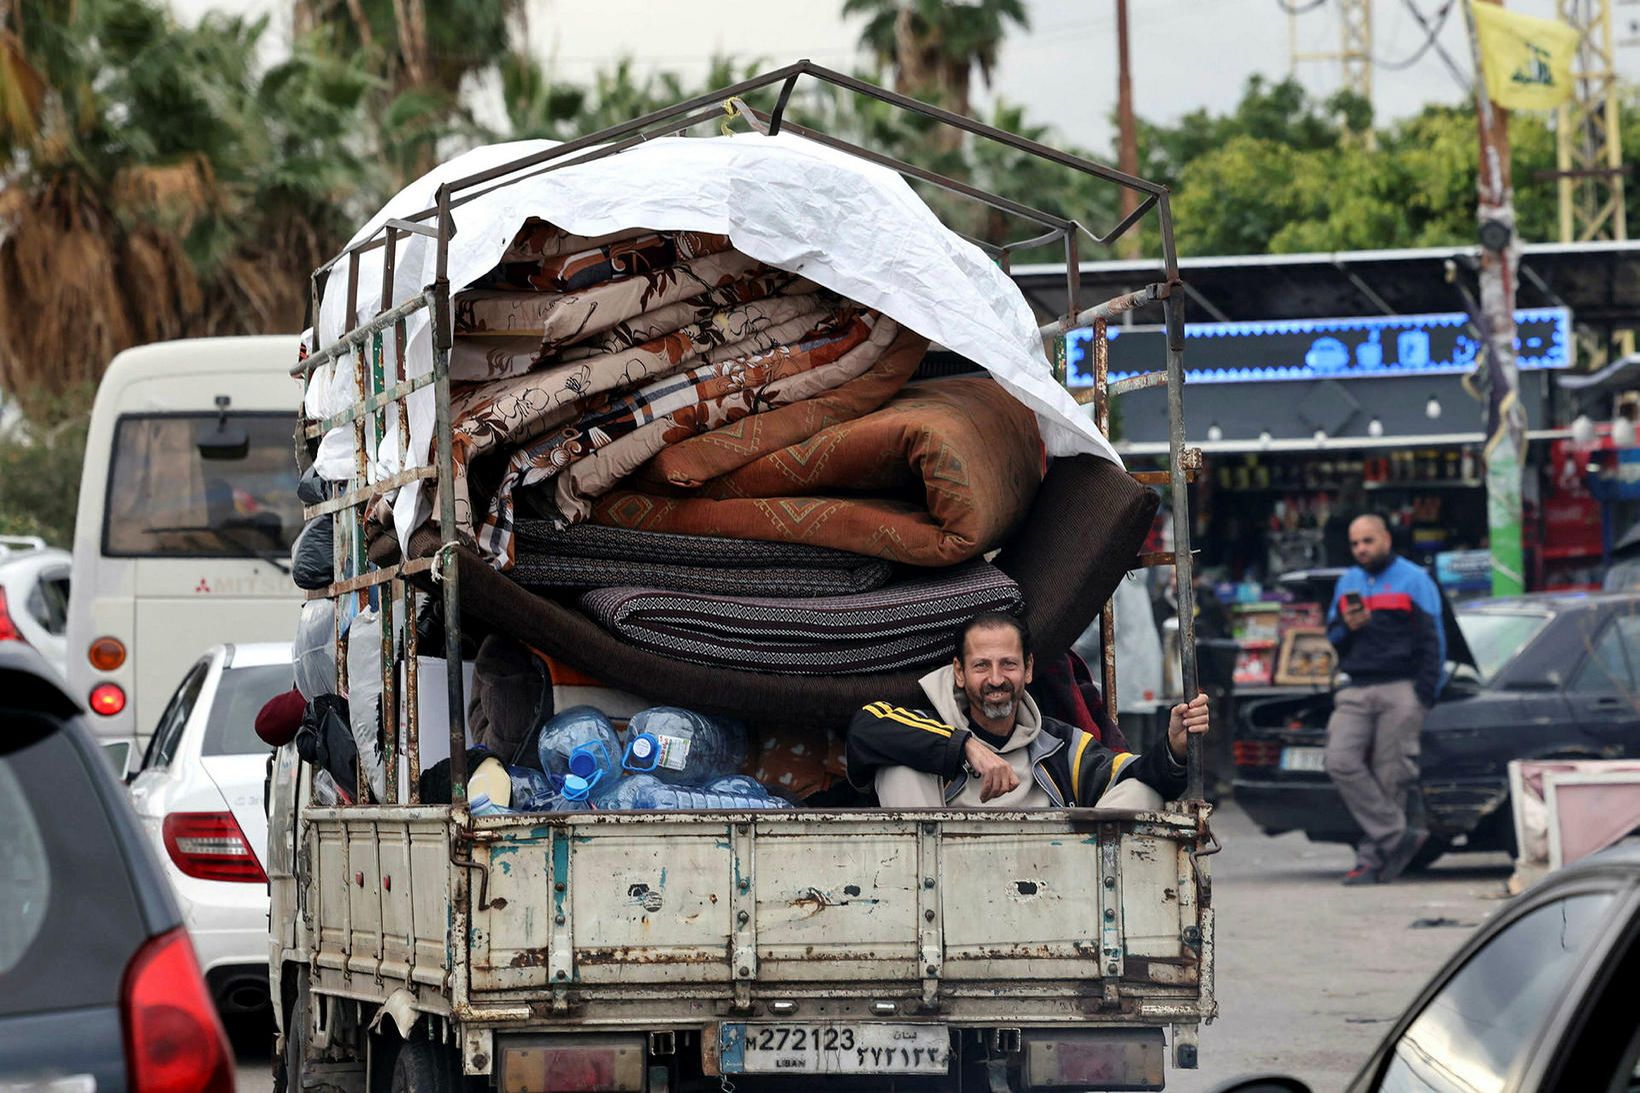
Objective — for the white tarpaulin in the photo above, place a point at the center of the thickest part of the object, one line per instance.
(846, 224)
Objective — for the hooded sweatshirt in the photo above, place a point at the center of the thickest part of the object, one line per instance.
(1057, 764)
(951, 704)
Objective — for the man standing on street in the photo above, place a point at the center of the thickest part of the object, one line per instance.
(1385, 622)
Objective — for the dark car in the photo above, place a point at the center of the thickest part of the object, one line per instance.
(99, 988)
(1543, 676)
(1539, 1000)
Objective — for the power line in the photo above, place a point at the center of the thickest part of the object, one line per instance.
(1434, 42)
(1429, 40)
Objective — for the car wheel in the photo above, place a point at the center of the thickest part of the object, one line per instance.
(421, 1066)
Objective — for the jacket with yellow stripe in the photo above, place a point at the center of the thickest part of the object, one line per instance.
(1072, 767)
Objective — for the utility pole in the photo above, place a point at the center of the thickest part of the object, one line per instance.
(1354, 54)
(1500, 262)
(1589, 149)
(1128, 141)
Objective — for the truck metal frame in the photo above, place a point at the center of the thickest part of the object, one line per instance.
(401, 905)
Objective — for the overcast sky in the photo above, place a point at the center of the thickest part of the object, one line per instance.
(1186, 53)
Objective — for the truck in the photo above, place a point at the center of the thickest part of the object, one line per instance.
(417, 946)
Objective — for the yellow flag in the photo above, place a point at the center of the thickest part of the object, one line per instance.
(1527, 60)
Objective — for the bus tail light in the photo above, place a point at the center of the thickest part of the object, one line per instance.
(107, 699)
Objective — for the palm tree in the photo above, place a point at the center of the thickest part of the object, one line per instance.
(153, 186)
(933, 46)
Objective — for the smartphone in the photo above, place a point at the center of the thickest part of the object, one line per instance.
(1352, 601)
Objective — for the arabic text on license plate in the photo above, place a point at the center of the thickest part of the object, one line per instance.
(1311, 759)
(835, 1049)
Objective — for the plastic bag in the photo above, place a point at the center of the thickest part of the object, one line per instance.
(314, 649)
(312, 564)
(364, 695)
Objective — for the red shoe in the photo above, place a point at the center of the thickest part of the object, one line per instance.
(1361, 874)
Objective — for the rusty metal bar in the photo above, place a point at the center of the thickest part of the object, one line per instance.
(449, 569)
(1125, 223)
(354, 497)
(1110, 309)
(1147, 558)
(1183, 561)
(372, 579)
(372, 404)
(389, 642)
(342, 344)
(974, 193)
(1107, 612)
(1160, 478)
(412, 698)
(1138, 383)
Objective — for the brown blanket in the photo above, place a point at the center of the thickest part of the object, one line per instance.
(950, 465)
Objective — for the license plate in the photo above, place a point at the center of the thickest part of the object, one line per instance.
(1310, 759)
(834, 1049)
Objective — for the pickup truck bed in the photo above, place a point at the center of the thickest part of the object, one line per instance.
(593, 921)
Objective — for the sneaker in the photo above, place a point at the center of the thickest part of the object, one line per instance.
(1361, 874)
(1402, 855)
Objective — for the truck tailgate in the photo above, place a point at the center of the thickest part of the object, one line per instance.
(984, 916)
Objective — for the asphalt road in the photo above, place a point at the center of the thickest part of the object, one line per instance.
(1309, 973)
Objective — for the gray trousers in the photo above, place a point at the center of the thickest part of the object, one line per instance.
(1372, 757)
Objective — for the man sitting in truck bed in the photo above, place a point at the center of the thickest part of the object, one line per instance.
(985, 743)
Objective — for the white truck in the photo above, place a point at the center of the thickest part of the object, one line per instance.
(421, 947)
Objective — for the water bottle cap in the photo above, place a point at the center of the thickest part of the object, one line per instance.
(583, 764)
(643, 752)
(643, 746)
(576, 787)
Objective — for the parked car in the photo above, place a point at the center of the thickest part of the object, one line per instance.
(199, 794)
(1539, 1000)
(34, 580)
(1542, 676)
(99, 986)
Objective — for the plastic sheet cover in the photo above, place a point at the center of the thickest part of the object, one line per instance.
(849, 225)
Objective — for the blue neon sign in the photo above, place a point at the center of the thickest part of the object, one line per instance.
(1298, 349)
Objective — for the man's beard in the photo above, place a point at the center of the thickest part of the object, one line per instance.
(996, 705)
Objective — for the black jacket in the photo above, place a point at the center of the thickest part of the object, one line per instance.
(1071, 766)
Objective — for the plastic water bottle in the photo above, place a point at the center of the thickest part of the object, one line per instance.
(579, 747)
(483, 806)
(647, 791)
(533, 791)
(738, 783)
(683, 747)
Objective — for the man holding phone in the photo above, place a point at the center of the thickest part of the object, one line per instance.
(1385, 622)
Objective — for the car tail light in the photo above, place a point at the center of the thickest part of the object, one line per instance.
(210, 846)
(107, 699)
(1255, 753)
(106, 654)
(8, 629)
(174, 1041)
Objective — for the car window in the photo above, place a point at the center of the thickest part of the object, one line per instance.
(240, 695)
(1494, 638)
(69, 920)
(1480, 1025)
(48, 601)
(165, 499)
(1612, 658)
(162, 748)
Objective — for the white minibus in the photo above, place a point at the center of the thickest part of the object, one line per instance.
(186, 515)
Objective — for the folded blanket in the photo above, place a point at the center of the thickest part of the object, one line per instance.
(613, 434)
(601, 260)
(904, 625)
(584, 556)
(496, 329)
(694, 460)
(740, 317)
(784, 375)
(550, 572)
(968, 452)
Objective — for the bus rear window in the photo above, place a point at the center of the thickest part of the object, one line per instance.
(166, 498)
